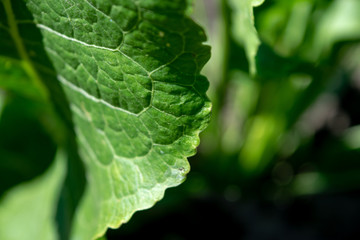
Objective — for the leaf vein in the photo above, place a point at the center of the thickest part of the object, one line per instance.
(94, 99)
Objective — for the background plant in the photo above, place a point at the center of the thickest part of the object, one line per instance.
(280, 156)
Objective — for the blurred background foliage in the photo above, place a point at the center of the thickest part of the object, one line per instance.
(281, 158)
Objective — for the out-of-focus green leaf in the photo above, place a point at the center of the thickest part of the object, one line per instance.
(26, 149)
(352, 137)
(284, 24)
(242, 94)
(262, 141)
(2, 101)
(25, 68)
(14, 78)
(27, 212)
(340, 22)
(243, 28)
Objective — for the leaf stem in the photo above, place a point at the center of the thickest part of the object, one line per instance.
(222, 88)
(25, 59)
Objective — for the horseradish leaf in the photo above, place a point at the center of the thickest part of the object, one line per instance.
(131, 72)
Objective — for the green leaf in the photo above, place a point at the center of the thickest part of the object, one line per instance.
(13, 77)
(243, 28)
(339, 23)
(26, 149)
(131, 72)
(28, 210)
